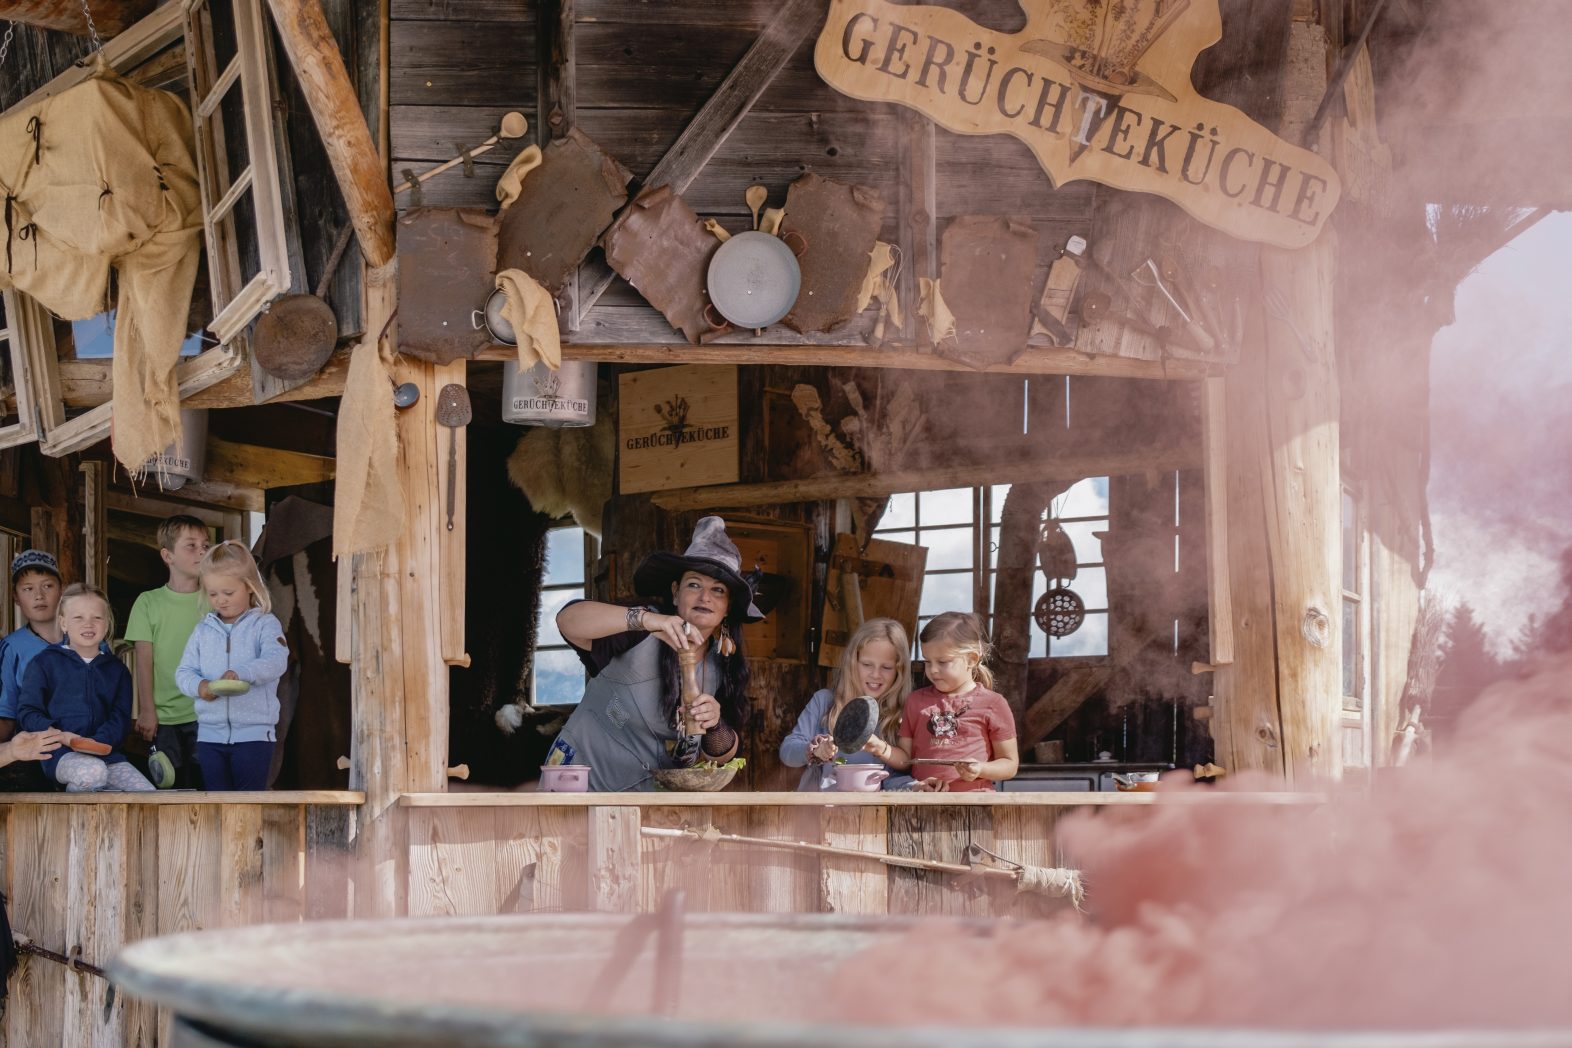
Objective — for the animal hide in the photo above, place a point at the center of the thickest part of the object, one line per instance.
(567, 470)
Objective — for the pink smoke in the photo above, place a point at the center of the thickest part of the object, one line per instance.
(1439, 900)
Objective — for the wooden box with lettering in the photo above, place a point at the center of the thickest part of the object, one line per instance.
(677, 428)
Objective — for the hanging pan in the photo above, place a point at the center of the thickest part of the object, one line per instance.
(754, 279)
(296, 335)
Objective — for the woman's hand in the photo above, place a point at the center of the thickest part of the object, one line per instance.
(705, 712)
(969, 771)
(673, 630)
(36, 745)
(822, 749)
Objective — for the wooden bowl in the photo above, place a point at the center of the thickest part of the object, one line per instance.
(694, 780)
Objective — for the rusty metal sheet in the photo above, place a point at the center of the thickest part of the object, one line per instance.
(446, 259)
(832, 226)
(987, 275)
(562, 209)
(660, 247)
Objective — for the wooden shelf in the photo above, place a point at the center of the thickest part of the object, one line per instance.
(316, 797)
(893, 799)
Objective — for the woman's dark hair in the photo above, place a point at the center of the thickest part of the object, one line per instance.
(732, 690)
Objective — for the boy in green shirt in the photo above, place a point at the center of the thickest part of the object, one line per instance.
(161, 622)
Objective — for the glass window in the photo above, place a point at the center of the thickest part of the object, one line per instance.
(558, 677)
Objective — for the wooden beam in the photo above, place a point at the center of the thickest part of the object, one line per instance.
(87, 384)
(793, 21)
(110, 17)
(95, 542)
(253, 466)
(1044, 361)
(335, 108)
(1059, 701)
(866, 485)
(556, 99)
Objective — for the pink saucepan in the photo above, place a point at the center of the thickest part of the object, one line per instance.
(859, 778)
(564, 778)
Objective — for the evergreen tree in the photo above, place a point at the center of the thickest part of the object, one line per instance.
(1467, 667)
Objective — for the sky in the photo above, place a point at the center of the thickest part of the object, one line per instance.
(1501, 407)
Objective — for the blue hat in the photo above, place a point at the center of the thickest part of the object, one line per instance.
(34, 560)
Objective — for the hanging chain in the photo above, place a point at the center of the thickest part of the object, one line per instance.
(92, 30)
(5, 45)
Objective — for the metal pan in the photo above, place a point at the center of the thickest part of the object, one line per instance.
(296, 335)
(754, 279)
(855, 724)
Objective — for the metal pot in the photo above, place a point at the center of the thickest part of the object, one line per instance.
(494, 320)
(539, 396)
(186, 459)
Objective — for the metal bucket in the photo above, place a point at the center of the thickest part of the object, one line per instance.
(186, 459)
(602, 981)
(538, 396)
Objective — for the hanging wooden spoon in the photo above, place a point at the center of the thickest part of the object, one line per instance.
(756, 196)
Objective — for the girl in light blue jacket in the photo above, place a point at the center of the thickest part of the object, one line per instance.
(232, 665)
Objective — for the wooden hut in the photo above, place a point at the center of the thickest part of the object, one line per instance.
(1193, 375)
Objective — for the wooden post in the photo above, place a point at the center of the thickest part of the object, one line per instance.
(95, 528)
(335, 108)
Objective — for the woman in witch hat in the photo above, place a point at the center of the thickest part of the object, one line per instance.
(630, 720)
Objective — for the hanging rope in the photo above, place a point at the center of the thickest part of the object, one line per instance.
(5, 44)
(92, 30)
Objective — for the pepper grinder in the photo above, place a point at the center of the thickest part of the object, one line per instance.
(688, 748)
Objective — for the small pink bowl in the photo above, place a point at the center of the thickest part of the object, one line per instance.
(859, 778)
(564, 778)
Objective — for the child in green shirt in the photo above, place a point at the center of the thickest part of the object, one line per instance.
(160, 625)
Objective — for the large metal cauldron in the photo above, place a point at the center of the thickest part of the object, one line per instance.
(592, 980)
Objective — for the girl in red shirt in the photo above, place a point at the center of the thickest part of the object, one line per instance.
(957, 721)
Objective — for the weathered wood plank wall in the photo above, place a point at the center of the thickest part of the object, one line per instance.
(641, 72)
(97, 875)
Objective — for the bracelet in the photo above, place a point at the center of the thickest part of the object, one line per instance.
(634, 618)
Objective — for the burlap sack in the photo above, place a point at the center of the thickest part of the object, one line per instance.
(102, 176)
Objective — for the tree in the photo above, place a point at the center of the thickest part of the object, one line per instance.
(1467, 667)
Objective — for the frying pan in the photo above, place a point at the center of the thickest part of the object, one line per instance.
(296, 335)
(855, 724)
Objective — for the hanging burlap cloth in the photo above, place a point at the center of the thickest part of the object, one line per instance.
(101, 177)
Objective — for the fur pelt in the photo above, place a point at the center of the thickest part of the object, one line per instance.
(565, 471)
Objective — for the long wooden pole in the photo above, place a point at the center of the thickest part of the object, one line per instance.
(335, 109)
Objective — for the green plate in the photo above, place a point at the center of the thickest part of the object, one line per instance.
(228, 687)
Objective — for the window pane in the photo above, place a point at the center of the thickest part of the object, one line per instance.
(1351, 653)
(1086, 498)
(564, 556)
(1090, 639)
(948, 548)
(907, 537)
(946, 593)
(559, 678)
(952, 506)
(902, 512)
(1000, 491)
(1088, 547)
(1350, 545)
(551, 602)
(94, 338)
(1091, 585)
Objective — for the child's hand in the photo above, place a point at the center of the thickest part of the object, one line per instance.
(65, 737)
(969, 771)
(203, 693)
(932, 784)
(147, 723)
(230, 675)
(877, 746)
(822, 748)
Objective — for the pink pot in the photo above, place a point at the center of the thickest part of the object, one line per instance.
(859, 778)
(564, 778)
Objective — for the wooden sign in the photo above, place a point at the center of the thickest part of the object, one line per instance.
(883, 581)
(677, 428)
(1098, 90)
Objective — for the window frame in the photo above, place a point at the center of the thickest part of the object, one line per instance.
(25, 429)
(30, 325)
(582, 586)
(984, 571)
(1354, 711)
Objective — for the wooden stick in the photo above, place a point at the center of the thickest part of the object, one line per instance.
(335, 109)
(826, 849)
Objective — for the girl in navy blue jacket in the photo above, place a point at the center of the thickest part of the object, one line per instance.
(84, 692)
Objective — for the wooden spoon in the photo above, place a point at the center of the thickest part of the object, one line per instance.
(756, 196)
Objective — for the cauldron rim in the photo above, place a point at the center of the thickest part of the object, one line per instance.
(307, 1016)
